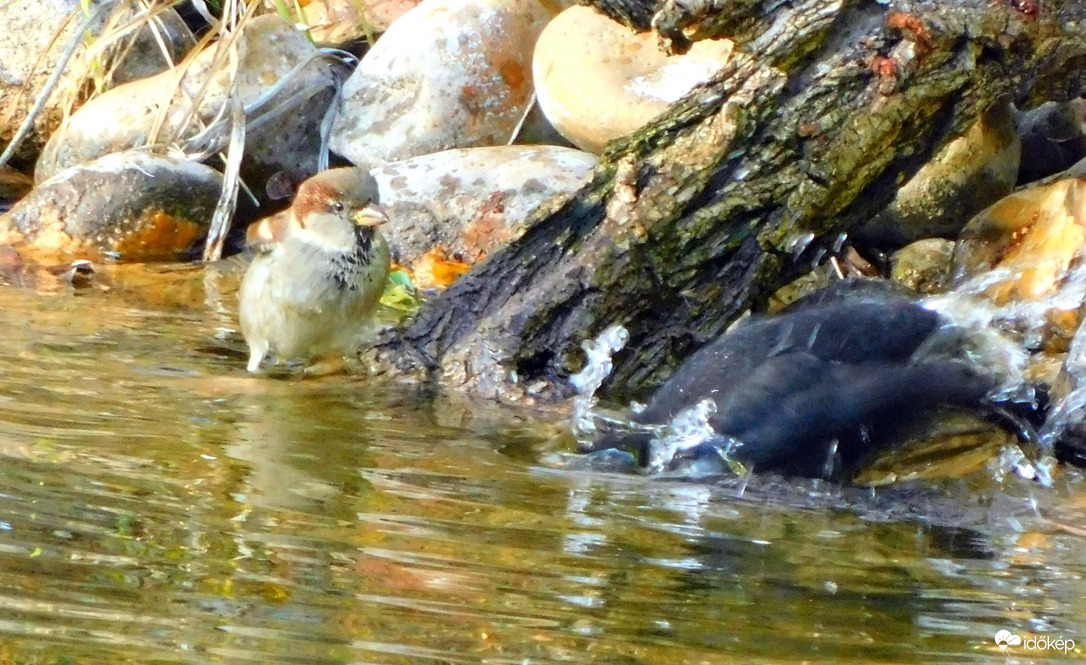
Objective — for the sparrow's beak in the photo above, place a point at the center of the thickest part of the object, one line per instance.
(371, 215)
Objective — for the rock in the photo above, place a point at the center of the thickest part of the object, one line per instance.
(447, 74)
(1053, 138)
(459, 205)
(337, 22)
(1021, 254)
(132, 206)
(923, 266)
(287, 141)
(970, 173)
(29, 31)
(144, 56)
(13, 186)
(597, 80)
(11, 265)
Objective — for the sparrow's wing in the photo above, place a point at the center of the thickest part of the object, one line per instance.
(265, 234)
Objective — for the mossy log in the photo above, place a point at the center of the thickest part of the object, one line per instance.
(743, 184)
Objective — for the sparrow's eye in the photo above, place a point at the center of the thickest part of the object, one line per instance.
(338, 207)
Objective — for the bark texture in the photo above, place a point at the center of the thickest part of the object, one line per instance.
(752, 178)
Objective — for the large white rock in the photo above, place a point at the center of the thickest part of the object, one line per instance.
(597, 80)
(463, 204)
(268, 50)
(447, 74)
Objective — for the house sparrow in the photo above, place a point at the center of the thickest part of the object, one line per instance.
(320, 269)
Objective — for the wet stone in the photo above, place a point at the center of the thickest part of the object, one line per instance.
(1022, 255)
(130, 206)
(1053, 138)
(970, 173)
(923, 266)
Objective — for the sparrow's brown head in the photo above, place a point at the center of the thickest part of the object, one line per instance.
(335, 209)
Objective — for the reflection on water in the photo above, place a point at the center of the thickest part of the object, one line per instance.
(158, 505)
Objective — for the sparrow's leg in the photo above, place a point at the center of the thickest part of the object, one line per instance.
(257, 350)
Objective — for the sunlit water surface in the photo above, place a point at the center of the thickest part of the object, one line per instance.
(158, 505)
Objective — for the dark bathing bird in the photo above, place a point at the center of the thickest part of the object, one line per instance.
(320, 269)
(801, 390)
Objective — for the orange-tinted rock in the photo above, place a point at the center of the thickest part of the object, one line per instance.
(436, 270)
(129, 206)
(1034, 235)
(342, 21)
(1021, 254)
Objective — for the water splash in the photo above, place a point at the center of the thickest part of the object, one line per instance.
(586, 382)
(689, 429)
(1072, 408)
(1029, 318)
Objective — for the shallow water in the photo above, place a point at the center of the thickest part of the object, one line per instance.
(157, 505)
